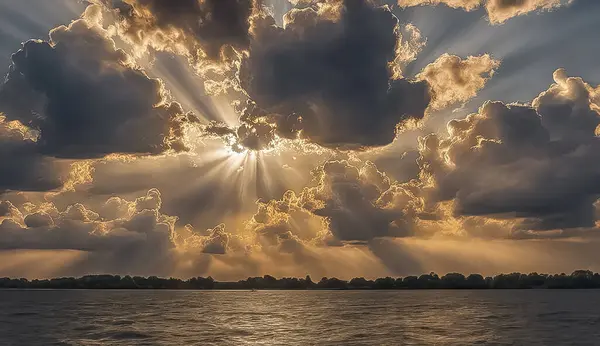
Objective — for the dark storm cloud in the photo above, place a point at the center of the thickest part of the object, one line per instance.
(327, 73)
(86, 100)
(538, 162)
(206, 28)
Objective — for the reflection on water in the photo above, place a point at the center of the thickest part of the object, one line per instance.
(543, 317)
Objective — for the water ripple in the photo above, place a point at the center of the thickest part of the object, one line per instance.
(91, 318)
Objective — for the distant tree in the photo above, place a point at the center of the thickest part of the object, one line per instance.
(308, 283)
(428, 281)
(578, 279)
(333, 283)
(359, 283)
(410, 282)
(476, 281)
(386, 283)
(454, 280)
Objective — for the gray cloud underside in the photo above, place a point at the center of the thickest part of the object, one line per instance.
(85, 100)
(331, 77)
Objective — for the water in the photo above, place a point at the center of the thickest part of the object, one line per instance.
(540, 317)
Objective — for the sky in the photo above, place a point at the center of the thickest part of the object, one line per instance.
(345, 138)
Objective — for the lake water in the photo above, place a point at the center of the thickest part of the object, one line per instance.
(534, 317)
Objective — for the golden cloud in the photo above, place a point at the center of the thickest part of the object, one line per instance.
(454, 80)
(498, 11)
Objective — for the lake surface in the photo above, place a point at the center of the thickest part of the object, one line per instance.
(532, 317)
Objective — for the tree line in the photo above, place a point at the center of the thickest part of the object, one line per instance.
(577, 279)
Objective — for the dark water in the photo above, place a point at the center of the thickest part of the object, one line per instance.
(543, 317)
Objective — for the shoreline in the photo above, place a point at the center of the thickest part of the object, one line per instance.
(580, 279)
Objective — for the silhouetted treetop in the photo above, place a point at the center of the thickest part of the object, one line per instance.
(578, 279)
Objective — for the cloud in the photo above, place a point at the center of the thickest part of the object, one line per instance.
(9, 211)
(130, 237)
(498, 11)
(345, 203)
(534, 163)
(217, 241)
(410, 44)
(328, 75)
(254, 135)
(86, 99)
(360, 205)
(520, 171)
(22, 167)
(291, 213)
(454, 80)
(79, 228)
(134, 241)
(332, 78)
(569, 108)
(200, 30)
(465, 4)
(501, 10)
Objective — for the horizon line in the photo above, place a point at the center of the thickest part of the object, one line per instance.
(577, 279)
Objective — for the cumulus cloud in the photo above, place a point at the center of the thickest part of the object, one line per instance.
(135, 240)
(454, 80)
(79, 228)
(360, 205)
(345, 203)
(130, 236)
(569, 108)
(291, 213)
(501, 10)
(498, 11)
(291, 74)
(535, 163)
(86, 99)
(520, 171)
(328, 75)
(204, 31)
